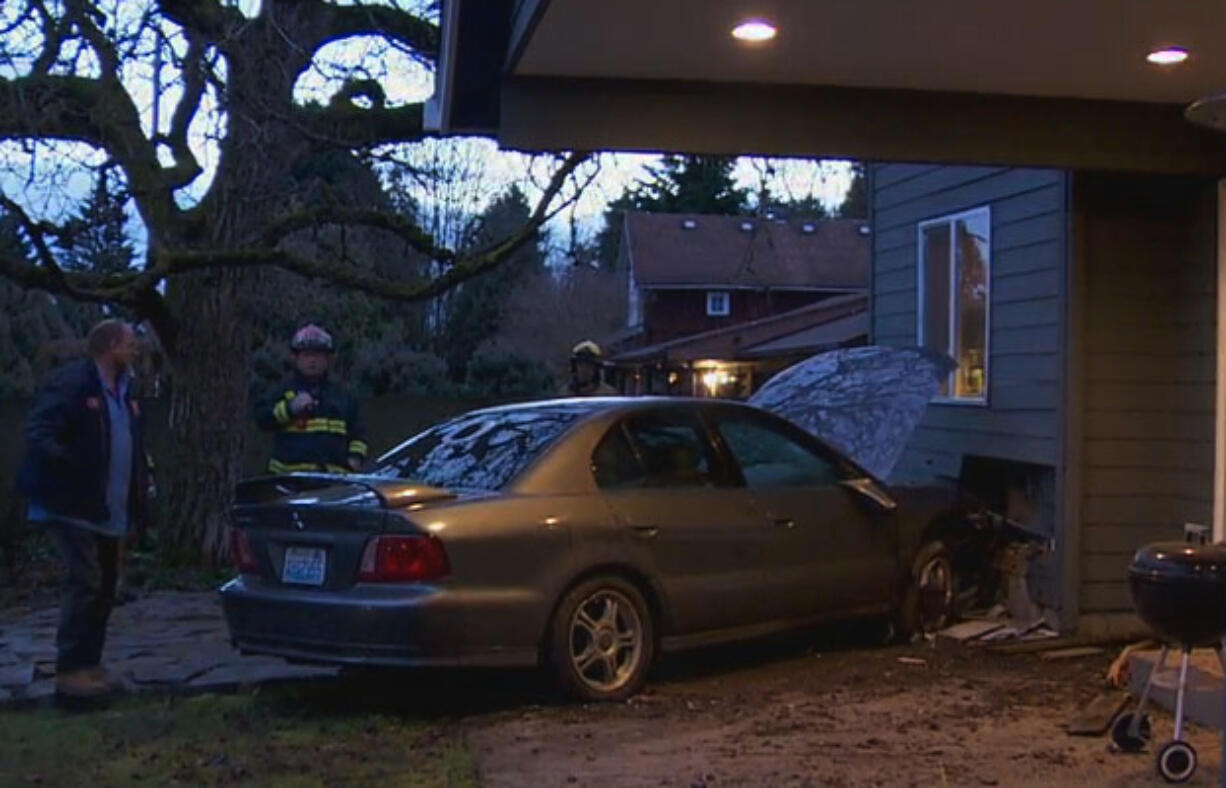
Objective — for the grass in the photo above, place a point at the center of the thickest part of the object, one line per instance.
(286, 736)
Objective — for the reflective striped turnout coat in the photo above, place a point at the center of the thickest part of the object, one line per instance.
(323, 439)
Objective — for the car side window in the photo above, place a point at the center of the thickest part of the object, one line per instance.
(673, 449)
(614, 463)
(770, 458)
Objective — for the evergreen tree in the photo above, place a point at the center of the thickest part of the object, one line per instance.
(680, 184)
(475, 309)
(31, 320)
(689, 184)
(97, 238)
(855, 203)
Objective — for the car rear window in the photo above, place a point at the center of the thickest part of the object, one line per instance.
(478, 451)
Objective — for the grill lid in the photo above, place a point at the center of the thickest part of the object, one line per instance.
(1180, 561)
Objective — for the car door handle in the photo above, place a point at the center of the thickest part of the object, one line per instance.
(645, 531)
(784, 522)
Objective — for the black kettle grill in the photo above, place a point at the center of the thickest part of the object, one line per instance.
(1179, 590)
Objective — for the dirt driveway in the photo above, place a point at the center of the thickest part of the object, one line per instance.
(828, 709)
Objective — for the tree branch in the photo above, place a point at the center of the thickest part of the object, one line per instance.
(37, 234)
(138, 289)
(346, 125)
(210, 19)
(464, 268)
(398, 225)
(83, 14)
(333, 22)
(54, 31)
(95, 112)
(187, 168)
(147, 303)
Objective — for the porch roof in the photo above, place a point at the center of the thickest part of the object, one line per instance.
(1045, 83)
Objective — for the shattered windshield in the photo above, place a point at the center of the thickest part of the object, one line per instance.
(479, 451)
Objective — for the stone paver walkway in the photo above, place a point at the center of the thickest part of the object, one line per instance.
(167, 640)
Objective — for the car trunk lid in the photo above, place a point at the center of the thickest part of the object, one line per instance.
(310, 531)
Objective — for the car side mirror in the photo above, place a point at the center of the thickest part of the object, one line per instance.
(870, 491)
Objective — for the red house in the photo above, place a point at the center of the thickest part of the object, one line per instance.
(712, 298)
(692, 273)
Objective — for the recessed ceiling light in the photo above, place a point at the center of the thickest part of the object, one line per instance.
(754, 30)
(1167, 56)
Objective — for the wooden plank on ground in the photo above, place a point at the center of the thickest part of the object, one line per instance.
(1070, 653)
(969, 630)
(1036, 646)
(1096, 718)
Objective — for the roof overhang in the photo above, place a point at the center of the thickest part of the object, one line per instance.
(468, 80)
(1060, 83)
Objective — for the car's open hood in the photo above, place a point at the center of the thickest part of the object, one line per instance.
(865, 401)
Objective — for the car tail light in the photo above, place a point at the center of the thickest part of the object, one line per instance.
(403, 559)
(241, 552)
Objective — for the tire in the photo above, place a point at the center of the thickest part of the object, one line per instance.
(928, 602)
(601, 640)
(1177, 762)
(1123, 736)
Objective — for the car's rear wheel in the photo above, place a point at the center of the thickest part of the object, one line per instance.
(928, 604)
(602, 640)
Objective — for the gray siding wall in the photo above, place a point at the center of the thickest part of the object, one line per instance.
(1147, 308)
(1029, 250)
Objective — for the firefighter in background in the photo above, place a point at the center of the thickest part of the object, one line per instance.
(586, 365)
(315, 424)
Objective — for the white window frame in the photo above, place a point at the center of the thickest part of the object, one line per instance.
(727, 296)
(951, 220)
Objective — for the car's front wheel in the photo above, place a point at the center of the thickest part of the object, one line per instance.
(928, 604)
(601, 640)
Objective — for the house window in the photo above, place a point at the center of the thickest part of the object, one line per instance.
(955, 274)
(718, 304)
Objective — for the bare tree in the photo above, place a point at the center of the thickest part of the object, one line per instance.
(198, 103)
(551, 311)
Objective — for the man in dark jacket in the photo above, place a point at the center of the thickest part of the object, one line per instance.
(84, 476)
(316, 425)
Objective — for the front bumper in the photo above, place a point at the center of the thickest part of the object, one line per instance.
(403, 625)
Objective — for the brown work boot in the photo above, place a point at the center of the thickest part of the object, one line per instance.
(82, 684)
(114, 683)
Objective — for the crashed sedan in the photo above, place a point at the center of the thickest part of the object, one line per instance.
(586, 535)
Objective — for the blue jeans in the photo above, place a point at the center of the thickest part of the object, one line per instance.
(87, 593)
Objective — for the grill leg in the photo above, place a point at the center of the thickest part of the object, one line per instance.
(1134, 729)
(1183, 681)
(1221, 655)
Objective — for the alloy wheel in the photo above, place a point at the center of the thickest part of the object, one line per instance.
(935, 584)
(606, 640)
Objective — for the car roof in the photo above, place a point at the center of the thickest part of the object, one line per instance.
(591, 406)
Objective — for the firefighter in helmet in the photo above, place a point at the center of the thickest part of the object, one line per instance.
(315, 423)
(586, 365)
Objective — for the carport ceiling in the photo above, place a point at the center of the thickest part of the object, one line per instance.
(1060, 48)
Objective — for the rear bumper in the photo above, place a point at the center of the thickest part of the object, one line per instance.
(365, 625)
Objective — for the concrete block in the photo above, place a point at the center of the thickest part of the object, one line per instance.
(1203, 695)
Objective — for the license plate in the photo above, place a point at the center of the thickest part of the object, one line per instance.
(304, 566)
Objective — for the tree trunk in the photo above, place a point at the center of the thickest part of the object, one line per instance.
(208, 413)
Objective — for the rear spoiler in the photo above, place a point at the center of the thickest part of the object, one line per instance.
(392, 493)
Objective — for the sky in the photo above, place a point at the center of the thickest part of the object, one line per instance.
(52, 179)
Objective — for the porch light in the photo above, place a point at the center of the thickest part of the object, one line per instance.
(715, 378)
(754, 31)
(1167, 56)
